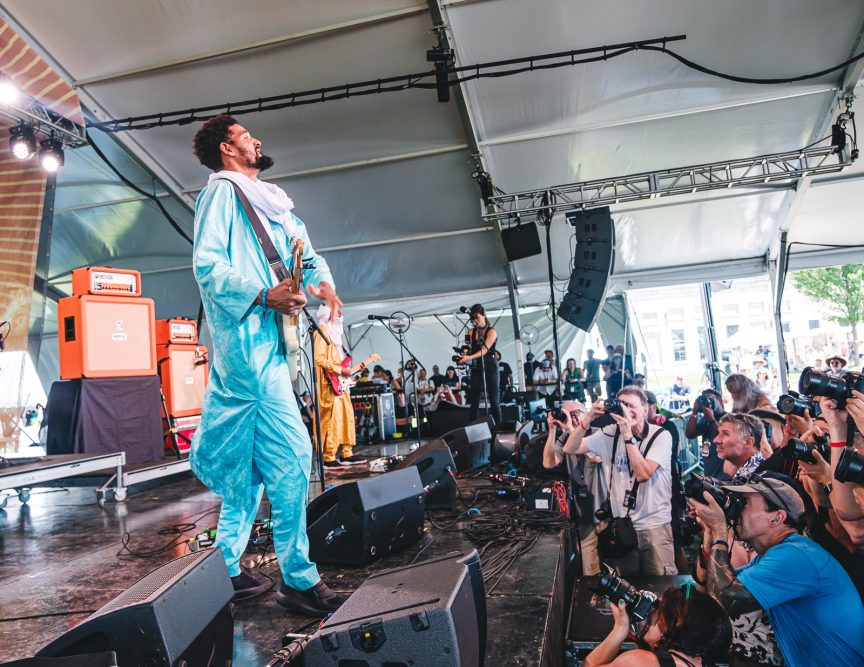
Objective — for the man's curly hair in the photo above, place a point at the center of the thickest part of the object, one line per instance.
(207, 140)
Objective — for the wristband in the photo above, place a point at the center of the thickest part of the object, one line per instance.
(720, 542)
(838, 444)
(264, 298)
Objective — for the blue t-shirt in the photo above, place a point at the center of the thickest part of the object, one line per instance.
(813, 606)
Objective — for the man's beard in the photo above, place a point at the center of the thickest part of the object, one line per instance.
(263, 162)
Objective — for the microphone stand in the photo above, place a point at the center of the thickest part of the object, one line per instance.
(313, 328)
(400, 338)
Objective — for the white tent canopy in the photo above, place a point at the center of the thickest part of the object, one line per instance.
(384, 181)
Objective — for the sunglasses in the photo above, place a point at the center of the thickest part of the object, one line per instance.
(753, 425)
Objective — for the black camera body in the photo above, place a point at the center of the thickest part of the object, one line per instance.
(730, 503)
(613, 406)
(701, 402)
(639, 603)
(799, 450)
(850, 467)
(795, 404)
(816, 383)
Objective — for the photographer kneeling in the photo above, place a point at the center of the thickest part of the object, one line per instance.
(813, 607)
(687, 629)
(637, 458)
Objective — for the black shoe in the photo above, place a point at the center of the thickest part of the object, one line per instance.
(316, 601)
(247, 586)
(332, 464)
(353, 460)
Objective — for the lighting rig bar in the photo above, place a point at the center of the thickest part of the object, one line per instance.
(772, 168)
(47, 123)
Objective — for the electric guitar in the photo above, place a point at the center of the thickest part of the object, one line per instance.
(291, 323)
(339, 383)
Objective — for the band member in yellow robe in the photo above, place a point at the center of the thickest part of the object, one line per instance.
(337, 412)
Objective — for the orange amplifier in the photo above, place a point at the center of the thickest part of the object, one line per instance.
(186, 427)
(105, 280)
(177, 330)
(106, 336)
(183, 369)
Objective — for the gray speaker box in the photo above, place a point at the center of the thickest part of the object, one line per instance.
(429, 614)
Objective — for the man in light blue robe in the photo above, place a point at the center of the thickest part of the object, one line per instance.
(251, 436)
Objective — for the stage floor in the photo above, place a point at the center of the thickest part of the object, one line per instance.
(61, 558)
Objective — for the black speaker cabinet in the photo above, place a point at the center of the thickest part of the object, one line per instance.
(434, 462)
(429, 614)
(356, 523)
(521, 241)
(471, 445)
(593, 260)
(181, 611)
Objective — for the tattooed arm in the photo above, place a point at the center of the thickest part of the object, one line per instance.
(723, 585)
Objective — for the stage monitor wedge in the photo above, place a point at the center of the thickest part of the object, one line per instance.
(434, 462)
(180, 613)
(593, 261)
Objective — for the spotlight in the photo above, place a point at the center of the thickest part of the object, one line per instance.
(8, 91)
(51, 155)
(22, 141)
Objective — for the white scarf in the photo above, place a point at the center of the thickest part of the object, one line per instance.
(333, 329)
(269, 201)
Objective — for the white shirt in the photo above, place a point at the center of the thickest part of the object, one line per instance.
(425, 397)
(654, 497)
(545, 375)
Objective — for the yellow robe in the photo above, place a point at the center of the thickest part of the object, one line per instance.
(337, 412)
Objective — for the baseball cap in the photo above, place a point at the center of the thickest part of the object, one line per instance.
(777, 488)
(652, 397)
(768, 414)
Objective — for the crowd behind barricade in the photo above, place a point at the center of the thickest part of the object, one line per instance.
(771, 528)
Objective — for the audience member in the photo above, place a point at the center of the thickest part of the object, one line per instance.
(529, 367)
(836, 366)
(738, 438)
(592, 376)
(746, 396)
(571, 380)
(437, 378)
(546, 382)
(505, 376)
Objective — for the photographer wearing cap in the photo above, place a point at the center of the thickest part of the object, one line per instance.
(687, 629)
(813, 607)
(637, 458)
(587, 483)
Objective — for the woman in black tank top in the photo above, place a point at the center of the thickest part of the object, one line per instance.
(484, 364)
(688, 628)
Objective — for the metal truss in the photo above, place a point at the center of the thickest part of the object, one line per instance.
(47, 123)
(773, 168)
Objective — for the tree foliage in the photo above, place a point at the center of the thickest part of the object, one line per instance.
(840, 289)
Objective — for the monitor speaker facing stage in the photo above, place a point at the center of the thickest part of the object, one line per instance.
(429, 614)
(356, 523)
(437, 471)
(471, 445)
(593, 261)
(181, 613)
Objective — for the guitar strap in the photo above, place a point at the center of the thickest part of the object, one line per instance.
(273, 259)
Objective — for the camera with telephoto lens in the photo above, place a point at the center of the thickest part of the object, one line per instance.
(688, 529)
(799, 450)
(850, 467)
(613, 406)
(794, 404)
(730, 503)
(702, 402)
(817, 383)
(639, 603)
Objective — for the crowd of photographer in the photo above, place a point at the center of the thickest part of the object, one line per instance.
(778, 515)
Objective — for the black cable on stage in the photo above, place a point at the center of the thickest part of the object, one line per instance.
(178, 530)
(140, 191)
(47, 615)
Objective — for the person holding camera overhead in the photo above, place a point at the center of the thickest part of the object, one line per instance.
(687, 628)
(814, 609)
(484, 371)
(637, 457)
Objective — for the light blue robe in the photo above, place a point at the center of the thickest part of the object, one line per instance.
(251, 432)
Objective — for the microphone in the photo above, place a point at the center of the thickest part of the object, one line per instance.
(463, 309)
(383, 318)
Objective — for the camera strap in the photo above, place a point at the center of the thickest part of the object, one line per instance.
(634, 489)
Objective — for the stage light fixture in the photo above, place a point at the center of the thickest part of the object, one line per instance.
(51, 155)
(8, 91)
(22, 141)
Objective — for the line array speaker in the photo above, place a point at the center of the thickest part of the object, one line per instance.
(593, 261)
